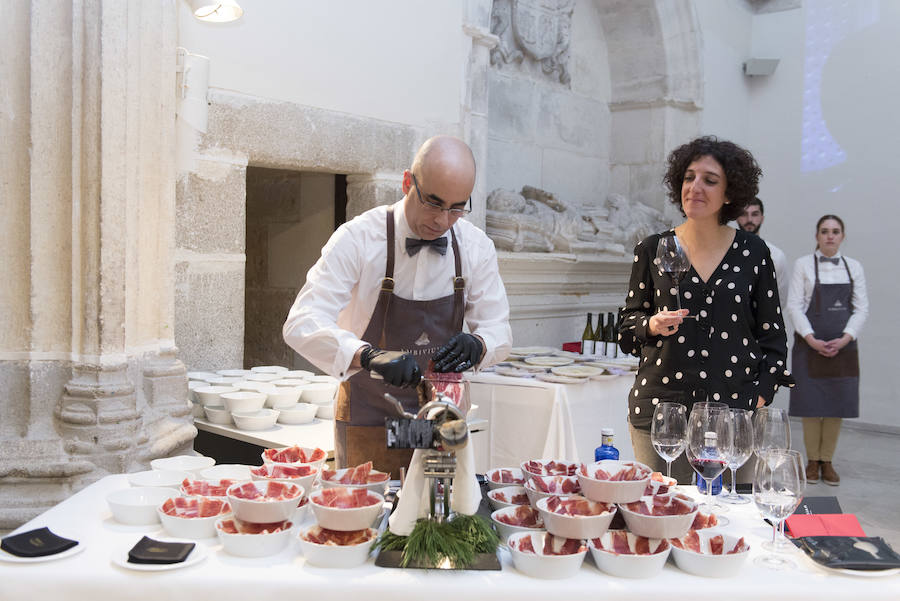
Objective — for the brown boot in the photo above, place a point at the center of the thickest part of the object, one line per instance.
(829, 476)
(812, 472)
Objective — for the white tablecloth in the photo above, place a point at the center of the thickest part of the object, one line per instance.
(532, 419)
(90, 576)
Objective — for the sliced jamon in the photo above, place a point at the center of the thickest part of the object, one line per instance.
(205, 488)
(557, 485)
(345, 498)
(641, 545)
(234, 526)
(557, 545)
(668, 504)
(576, 505)
(523, 516)
(273, 491)
(620, 543)
(702, 520)
(739, 547)
(525, 545)
(449, 384)
(692, 541)
(520, 499)
(627, 471)
(195, 507)
(717, 545)
(324, 536)
(499, 496)
(294, 454)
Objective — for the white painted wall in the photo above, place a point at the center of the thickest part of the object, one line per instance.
(843, 162)
(400, 61)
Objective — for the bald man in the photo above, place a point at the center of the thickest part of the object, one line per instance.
(392, 291)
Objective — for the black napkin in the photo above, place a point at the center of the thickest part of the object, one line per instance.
(148, 550)
(849, 552)
(36, 543)
(813, 505)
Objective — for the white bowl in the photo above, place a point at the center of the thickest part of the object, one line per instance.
(234, 373)
(249, 541)
(283, 473)
(185, 463)
(200, 376)
(302, 511)
(244, 400)
(262, 377)
(289, 382)
(283, 397)
(320, 393)
(706, 564)
(193, 527)
(345, 518)
(301, 374)
(264, 387)
(508, 493)
(325, 411)
(320, 379)
(331, 479)
(273, 501)
(612, 491)
(540, 467)
(506, 530)
(539, 565)
(227, 471)
(298, 413)
(554, 483)
(211, 395)
(137, 506)
(163, 478)
(284, 456)
(194, 385)
(224, 380)
(261, 419)
(660, 526)
(335, 556)
(495, 480)
(268, 369)
(576, 526)
(218, 414)
(626, 565)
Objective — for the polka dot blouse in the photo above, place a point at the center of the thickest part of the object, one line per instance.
(735, 352)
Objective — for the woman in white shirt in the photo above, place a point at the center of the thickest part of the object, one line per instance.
(828, 305)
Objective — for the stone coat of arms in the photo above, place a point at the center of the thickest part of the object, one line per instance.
(538, 29)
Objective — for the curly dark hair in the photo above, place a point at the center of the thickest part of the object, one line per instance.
(742, 173)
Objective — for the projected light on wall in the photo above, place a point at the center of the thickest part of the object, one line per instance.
(827, 23)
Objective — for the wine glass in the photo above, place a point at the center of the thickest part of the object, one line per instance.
(709, 442)
(741, 449)
(777, 491)
(668, 432)
(671, 259)
(771, 430)
(781, 544)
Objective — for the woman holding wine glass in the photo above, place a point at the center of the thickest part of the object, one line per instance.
(727, 342)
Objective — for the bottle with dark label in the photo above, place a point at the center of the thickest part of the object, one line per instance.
(599, 340)
(587, 337)
(612, 344)
(606, 450)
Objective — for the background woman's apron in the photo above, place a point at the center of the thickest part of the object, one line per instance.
(416, 327)
(826, 387)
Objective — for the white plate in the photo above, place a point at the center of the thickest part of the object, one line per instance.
(525, 351)
(9, 557)
(577, 371)
(513, 372)
(197, 554)
(525, 366)
(548, 361)
(560, 379)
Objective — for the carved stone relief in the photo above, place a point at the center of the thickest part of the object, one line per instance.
(540, 30)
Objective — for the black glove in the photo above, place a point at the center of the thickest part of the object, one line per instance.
(460, 353)
(397, 368)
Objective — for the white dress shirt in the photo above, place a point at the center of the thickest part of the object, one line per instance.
(334, 307)
(779, 262)
(804, 280)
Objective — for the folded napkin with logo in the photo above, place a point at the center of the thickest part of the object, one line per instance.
(40, 542)
(148, 550)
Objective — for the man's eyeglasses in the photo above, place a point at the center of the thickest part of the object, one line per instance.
(433, 206)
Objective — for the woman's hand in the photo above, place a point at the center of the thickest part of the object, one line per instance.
(760, 402)
(820, 346)
(665, 323)
(834, 346)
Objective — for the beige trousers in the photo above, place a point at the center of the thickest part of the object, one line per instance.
(820, 435)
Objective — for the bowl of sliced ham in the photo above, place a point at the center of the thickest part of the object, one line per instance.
(539, 487)
(205, 488)
(709, 553)
(346, 508)
(542, 555)
(538, 467)
(575, 516)
(192, 517)
(295, 455)
(504, 476)
(613, 481)
(247, 539)
(627, 555)
(303, 475)
(508, 496)
(264, 502)
(336, 548)
(360, 476)
(519, 518)
(660, 516)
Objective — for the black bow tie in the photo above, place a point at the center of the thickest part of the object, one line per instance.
(824, 259)
(414, 245)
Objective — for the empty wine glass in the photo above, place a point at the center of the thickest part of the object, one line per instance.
(709, 441)
(741, 449)
(771, 430)
(781, 544)
(671, 259)
(668, 432)
(777, 491)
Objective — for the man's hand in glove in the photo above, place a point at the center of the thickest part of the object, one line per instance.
(461, 352)
(397, 368)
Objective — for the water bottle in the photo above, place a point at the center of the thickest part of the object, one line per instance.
(606, 450)
(710, 442)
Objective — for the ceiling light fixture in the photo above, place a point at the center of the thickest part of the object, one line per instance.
(210, 11)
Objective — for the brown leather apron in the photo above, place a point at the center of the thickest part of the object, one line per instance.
(416, 327)
(826, 386)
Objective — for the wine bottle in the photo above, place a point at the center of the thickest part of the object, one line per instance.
(587, 338)
(598, 335)
(612, 343)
